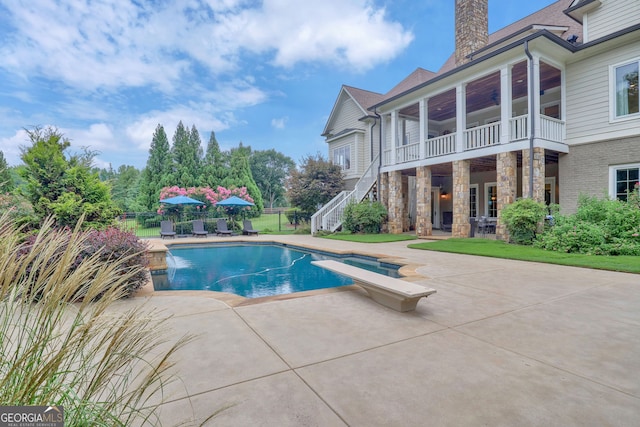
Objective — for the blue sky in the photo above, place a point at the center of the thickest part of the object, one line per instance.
(267, 73)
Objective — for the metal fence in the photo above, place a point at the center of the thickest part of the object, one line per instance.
(147, 224)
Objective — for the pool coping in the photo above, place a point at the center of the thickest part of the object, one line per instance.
(407, 271)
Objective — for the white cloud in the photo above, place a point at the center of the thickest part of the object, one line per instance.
(117, 44)
(10, 146)
(279, 123)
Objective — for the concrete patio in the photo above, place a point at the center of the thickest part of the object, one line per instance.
(501, 343)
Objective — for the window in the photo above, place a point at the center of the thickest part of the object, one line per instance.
(473, 200)
(491, 199)
(342, 157)
(625, 89)
(624, 178)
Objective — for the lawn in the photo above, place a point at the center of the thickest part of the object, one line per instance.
(369, 238)
(500, 249)
(267, 224)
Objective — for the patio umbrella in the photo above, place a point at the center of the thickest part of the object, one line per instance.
(181, 200)
(234, 201)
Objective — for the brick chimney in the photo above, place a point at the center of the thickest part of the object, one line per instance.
(472, 28)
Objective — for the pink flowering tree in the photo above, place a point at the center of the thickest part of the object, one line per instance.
(206, 195)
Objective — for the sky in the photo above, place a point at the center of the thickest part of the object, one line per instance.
(265, 73)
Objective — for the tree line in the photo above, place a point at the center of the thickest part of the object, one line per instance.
(67, 185)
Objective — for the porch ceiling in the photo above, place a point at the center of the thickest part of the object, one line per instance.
(485, 92)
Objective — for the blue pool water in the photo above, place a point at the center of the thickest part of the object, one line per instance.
(254, 270)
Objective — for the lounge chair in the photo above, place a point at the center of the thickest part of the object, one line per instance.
(247, 228)
(221, 228)
(166, 229)
(198, 228)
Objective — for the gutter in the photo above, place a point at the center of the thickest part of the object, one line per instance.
(532, 134)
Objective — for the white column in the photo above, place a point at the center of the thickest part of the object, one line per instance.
(461, 117)
(535, 81)
(424, 125)
(505, 103)
(394, 135)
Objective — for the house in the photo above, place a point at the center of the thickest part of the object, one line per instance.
(546, 108)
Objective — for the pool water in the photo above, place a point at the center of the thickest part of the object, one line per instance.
(254, 270)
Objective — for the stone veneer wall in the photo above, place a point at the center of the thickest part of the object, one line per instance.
(423, 201)
(539, 173)
(383, 196)
(472, 28)
(396, 202)
(507, 167)
(405, 205)
(461, 175)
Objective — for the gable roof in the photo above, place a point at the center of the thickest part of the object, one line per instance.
(420, 75)
(363, 99)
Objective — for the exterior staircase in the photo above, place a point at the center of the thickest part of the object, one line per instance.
(329, 217)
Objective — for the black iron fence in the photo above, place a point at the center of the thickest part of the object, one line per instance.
(147, 224)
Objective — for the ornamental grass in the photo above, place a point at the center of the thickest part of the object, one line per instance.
(63, 343)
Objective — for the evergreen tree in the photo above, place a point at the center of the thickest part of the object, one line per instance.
(125, 186)
(6, 180)
(186, 159)
(65, 188)
(214, 168)
(239, 175)
(158, 172)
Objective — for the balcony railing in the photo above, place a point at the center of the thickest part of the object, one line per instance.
(551, 129)
(440, 145)
(482, 136)
(408, 153)
(476, 138)
(519, 128)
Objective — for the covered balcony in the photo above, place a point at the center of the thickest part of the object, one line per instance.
(478, 117)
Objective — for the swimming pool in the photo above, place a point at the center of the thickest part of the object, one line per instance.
(255, 270)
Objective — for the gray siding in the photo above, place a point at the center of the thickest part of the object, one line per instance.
(347, 116)
(588, 95)
(611, 16)
(585, 170)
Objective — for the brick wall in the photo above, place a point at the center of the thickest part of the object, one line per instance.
(585, 170)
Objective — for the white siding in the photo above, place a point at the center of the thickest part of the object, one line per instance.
(588, 87)
(611, 16)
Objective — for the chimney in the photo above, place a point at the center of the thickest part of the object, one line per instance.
(472, 28)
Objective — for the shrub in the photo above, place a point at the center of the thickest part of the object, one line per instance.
(294, 216)
(522, 219)
(571, 236)
(364, 217)
(599, 227)
(106, 367)
(101, 246)
(114, 243)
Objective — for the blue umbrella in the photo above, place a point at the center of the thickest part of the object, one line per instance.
(181, 200)
(234, 201)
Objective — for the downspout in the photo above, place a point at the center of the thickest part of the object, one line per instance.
(532, 134)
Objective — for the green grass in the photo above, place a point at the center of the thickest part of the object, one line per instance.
(369, 238)
(500, 249)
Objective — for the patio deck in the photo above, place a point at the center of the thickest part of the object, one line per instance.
(502, 343)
